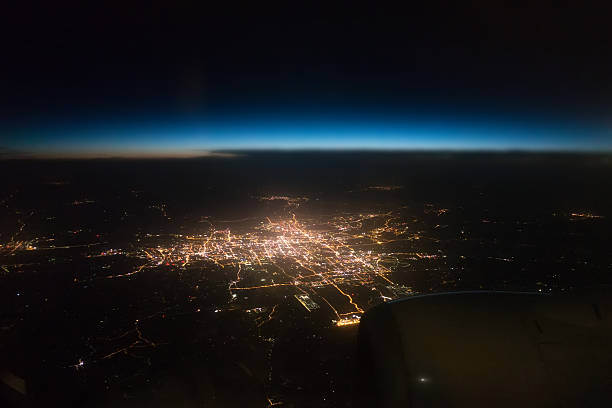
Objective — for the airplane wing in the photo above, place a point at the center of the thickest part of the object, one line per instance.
(487, 349)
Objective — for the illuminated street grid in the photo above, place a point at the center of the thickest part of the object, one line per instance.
(307, 256)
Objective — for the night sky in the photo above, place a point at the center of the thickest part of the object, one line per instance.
(161, 79)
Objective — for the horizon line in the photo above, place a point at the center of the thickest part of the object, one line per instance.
(235, 153)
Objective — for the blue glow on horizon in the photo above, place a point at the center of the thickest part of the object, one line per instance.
(191, 138)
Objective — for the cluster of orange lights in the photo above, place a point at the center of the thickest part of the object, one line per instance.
(339, 253)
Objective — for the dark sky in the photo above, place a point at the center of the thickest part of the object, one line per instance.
(75, 67)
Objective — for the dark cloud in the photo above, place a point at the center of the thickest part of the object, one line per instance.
(7, 153)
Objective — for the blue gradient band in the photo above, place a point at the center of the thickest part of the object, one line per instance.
(191, 138)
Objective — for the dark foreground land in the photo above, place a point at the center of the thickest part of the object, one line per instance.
(240, 281)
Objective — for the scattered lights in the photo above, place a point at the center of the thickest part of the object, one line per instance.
(584, 216)
(79, 365)
(308, 303)
(273, 402)
(348, 321)
(335, 253)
